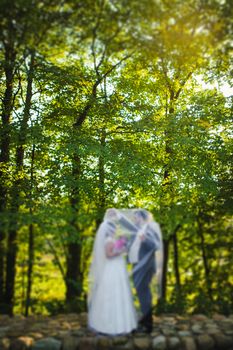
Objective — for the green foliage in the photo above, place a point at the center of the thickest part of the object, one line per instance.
(117, 118)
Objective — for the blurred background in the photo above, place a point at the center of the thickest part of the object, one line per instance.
(114, 104)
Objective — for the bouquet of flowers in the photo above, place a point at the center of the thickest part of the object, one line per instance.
(120, 243)
(122, 237)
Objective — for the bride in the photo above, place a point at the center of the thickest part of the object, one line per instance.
(110, 302)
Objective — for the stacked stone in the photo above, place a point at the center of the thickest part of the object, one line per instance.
(69, 332)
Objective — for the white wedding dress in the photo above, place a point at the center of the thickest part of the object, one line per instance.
(112, 310)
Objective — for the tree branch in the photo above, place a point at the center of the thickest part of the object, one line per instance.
(53, 250)
(182, 84)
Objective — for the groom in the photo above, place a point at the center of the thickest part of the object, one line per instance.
(141, 255)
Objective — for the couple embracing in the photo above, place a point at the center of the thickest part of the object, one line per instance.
(132, 233)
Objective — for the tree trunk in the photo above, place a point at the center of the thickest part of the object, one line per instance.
(15, 195)
(74, 276)
(176, 259)
(73, 273)
(102, 195)
(205, 261)
(165, 267)
(30, 268)
(5, 136)
(30, 241)
(167, 182)
(166, 188)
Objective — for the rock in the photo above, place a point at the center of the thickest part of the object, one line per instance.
(189, 343)
(15, 331)
(197, 329)
(35, 335)
(18, 318)
(66, 325)
(4, 320)
(226, 324)
(4, 343)
(103, 343)
(228, 332)
(70, 343)
(222, 341)
(173, 343)
(157, 320)
(182, 318)
(184, 333)
(168, 330)
(199, 317)
(212, 330)
(83, 319)
(205, 342)
(36, 327)
(142, 343)
(159, 343)
(21, 343)
(61, 334)
(3, 331)
(169, 320)
(211, 324)
(218, 317)
(155, 333)
(54, 323)
(70, 332)
(120, 340)
(182, 326)
(87, 343)
(126, 346)
(47, 344)
(79, 332)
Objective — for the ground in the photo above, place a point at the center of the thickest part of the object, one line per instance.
(69, 332)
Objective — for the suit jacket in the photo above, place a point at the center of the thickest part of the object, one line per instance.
(146, 266)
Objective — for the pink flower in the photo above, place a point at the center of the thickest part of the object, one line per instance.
(120, 243)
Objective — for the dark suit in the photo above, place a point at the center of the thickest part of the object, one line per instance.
(145, 268)
(142, 275)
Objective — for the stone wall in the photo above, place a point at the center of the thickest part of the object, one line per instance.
(69, 332)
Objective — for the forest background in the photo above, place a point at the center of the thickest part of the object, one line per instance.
(109, 103)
